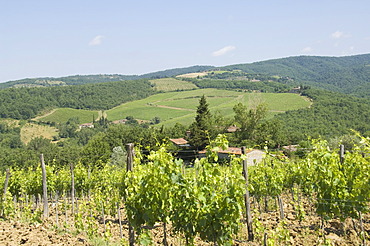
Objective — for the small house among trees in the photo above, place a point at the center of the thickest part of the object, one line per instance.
(254, 156)
(86, 125)
(180, 142)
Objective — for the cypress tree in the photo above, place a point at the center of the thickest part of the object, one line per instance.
(200, 128)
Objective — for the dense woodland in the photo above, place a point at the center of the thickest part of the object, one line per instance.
(26, 103)
(342, 74)
(101, 78)
(348, 74)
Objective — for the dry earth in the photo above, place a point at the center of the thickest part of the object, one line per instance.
(306, 232)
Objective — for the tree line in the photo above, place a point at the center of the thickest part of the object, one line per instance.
(25, 103)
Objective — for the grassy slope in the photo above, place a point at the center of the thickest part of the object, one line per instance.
(171, 84)
(30, 131)
(180, 107)
(63, 114)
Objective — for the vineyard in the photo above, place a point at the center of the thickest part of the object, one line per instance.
(322, 199)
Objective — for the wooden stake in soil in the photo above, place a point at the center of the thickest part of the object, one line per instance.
(72, 188)
(6, 182)
(247, 200)
(363, 236)
(341, 153)
(281, 207)
(165, 234)
(103, 216)
(44, 187)
(119, 220)
(56, 209)
(5, 188)
(130, 161)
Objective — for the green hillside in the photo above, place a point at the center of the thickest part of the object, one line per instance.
(99, 78)
(180, 107)
(342, 74)
(62, 115)
(26, 103)
(172, 84)
(347, 74)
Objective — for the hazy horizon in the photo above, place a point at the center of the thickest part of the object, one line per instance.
(56, 39)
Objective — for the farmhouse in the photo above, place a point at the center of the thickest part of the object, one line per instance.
(86, 125)
(254, 156)
(123, 121)
(180, 142)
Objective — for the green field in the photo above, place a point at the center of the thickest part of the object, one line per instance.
(171, 84)
(173, 107)
(64, 114)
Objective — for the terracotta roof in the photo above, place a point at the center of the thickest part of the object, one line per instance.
(123, 121)
(291, 147)
(230, 150)
(232, 129)
(86, 124)
(179, 141)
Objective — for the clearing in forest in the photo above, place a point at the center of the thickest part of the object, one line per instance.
(64, 114)
(30, 131)
(171, 84)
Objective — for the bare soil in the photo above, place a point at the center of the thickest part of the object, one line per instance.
(16, 233)
(309, 231)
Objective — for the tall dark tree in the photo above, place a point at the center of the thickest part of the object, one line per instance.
(200, 128)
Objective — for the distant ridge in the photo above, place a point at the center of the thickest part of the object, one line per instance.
(99, 78)
(346, 74)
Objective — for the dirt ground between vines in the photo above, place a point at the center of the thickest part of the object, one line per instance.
(306, 232)
(16, 233)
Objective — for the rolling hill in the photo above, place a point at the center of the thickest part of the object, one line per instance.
(348, 74)
(99, 78)
(180, 107)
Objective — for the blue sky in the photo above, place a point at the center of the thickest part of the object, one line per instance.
(42, 38)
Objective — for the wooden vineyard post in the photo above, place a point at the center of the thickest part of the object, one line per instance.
(363, 235)
(56, 209)
(341, 153)
(281, 207)
(119, 220)
(247, 200)
(130, 156)
(5, 188)
(130, 160)
(72, 188)
(44, 187)
(6, 181)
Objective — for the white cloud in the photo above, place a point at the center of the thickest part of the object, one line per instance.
(337, 34)
(96, 41)
(223, 51)
(307, 50)
(351, 48)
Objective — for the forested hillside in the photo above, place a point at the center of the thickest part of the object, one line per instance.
(100, 78)
(350, 74)
(331, 114)
(25, 103)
